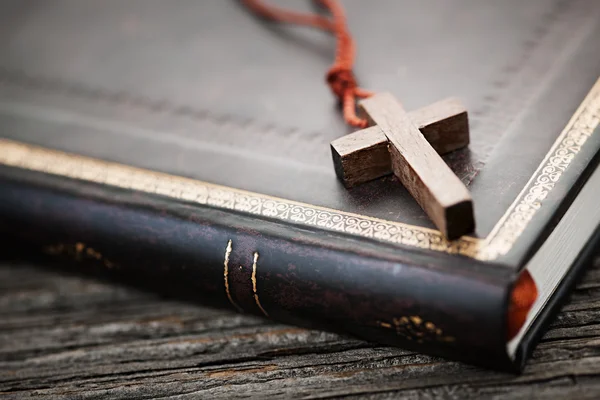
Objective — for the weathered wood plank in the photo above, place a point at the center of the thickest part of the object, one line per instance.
(64, 337)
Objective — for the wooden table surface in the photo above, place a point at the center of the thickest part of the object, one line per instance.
(70, 337)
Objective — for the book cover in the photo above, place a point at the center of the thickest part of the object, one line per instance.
(187, 148)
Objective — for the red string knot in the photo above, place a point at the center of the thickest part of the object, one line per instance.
(341, 80)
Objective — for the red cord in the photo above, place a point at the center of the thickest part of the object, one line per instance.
(340, 77)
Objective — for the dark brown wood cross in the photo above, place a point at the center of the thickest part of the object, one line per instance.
(408, 144)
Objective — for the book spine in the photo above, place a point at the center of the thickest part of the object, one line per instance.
(300, 276)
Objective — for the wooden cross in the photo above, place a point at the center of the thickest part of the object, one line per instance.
(406, 144)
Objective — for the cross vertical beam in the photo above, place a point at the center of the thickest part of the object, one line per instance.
(396, 145)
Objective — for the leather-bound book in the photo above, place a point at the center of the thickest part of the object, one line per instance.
(185, 147)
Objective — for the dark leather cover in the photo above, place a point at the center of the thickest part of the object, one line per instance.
(207, 91)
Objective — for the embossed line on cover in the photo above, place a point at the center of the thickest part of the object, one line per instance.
(226, 276)
(254, 284)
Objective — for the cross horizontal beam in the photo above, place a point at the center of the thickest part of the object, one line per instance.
(363, 156)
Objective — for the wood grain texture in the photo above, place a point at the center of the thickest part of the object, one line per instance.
(69, 337)
(363, 156)
(421, 170)
(445, 124)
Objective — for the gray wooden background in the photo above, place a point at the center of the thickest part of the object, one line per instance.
(69, 337)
